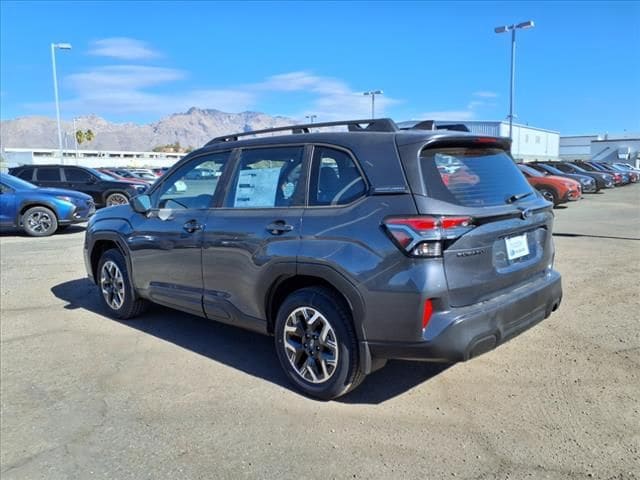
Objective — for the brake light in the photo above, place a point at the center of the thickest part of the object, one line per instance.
(484, 140)
(423, 236)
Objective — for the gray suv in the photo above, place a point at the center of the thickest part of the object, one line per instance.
(349, 247)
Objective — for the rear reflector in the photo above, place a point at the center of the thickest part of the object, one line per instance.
(426, 314)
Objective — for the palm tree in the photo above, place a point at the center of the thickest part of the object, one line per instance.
(79, 136)
(89, 135)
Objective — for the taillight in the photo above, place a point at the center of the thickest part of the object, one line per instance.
(423, 236)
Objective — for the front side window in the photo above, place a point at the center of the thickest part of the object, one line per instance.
(76, 175)
(194, 184)
(335, 179)
(268, 178)
(48, 174)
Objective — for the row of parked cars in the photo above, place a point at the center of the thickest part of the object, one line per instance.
(70, 194)
(42, 199)
(562, 182)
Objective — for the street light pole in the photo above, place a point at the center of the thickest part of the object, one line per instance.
(512, 29)
(54, 46)
(373, 94)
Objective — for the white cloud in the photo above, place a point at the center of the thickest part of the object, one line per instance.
(485, 94)
(123, 48)
(125, 90)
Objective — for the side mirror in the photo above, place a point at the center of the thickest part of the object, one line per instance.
(141, 203)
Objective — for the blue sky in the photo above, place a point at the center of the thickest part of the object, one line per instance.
(578, 70)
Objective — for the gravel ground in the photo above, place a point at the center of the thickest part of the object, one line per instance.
(175, 396)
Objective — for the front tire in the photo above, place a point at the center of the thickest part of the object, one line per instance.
(316, 343)
(549, 195)
(115, 287)
(39, 222)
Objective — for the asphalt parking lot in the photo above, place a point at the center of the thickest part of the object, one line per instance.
(175, 396)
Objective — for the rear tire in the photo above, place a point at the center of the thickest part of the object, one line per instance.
(39, 222)
(117, 198)
(116, 290)
(316, 343)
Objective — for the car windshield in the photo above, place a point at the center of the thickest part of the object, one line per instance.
(552, 170)
(532, 171)
(580, 169)
(101, 175)
(16, 183)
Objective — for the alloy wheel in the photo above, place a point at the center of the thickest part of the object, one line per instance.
(39, 222)
(117, 199)
(112, 285)
(310, 344)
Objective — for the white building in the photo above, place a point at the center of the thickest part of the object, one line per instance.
(89, 158)
(602, 148)
(529, 143)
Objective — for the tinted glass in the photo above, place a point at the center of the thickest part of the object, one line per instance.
(531, 171)
(25, 174)
(473, 177)
(335, 179)
(16, 183)
(194, 184)
(51, 174)
(76, 175)
(267, 178)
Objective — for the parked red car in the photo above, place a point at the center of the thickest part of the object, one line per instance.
(555, 189)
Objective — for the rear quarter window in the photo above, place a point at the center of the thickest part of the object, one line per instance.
(471, 176)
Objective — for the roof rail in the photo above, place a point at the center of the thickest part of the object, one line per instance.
(372, 125)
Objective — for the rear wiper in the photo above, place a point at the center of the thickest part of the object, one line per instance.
(518, 196)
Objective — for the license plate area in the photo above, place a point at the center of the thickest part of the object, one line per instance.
(517, 246)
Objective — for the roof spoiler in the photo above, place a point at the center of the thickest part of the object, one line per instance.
(433, 125)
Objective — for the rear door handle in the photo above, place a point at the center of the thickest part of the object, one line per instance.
(192, 226)
(279, 227)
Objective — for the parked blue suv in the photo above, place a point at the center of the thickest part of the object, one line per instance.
(40, 211)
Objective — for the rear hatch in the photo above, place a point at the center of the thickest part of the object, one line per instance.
(508, 238)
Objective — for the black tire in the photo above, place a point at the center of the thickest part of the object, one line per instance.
(116, 198)
(131, 305)
(39, 222)
(347, 373)
(549, 194)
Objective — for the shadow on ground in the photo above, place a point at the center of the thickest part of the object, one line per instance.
(578, 235)
(14, 232)
(229, 345)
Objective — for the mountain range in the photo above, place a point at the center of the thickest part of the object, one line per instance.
(192, 128)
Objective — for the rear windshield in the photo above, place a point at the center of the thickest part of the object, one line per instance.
(471, 176)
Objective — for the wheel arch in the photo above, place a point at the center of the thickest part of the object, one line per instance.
(26, 205)
(316, 275)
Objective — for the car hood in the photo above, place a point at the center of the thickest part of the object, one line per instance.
(62, 192)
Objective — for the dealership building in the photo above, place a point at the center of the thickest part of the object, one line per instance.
(623, 147)
(529, 143)
(89, 158)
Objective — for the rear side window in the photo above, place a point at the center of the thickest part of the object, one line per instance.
(335, 179)
(268, 178)
(48, 174)
(76, 175)
(470, 176)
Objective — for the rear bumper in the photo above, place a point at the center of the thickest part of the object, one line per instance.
(464, 333)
